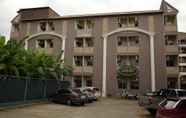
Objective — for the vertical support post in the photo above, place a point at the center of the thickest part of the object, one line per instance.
(179, 82)
(63, 55)
(152, 61)
(26, 45)
(104, 87)
(63, 48)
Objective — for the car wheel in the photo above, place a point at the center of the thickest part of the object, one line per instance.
(69, 102)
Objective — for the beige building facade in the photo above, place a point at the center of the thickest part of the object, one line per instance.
(96, 44)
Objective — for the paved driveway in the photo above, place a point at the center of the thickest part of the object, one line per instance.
(105, 108)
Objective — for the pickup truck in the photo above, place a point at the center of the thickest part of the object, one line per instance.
(151, 100)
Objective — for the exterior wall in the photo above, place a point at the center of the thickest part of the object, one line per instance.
(160, 59)
(102, 25)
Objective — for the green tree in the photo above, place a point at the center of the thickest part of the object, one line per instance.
(126, 73)
(15, 60)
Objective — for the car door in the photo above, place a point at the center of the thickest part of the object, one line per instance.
(181, 109)
(62, 95)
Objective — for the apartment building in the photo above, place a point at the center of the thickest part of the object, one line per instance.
(95, 44)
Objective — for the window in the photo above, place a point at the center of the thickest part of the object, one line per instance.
(171, 93)
(169, 103)
(182, 59)
(182, 50)
(171, 60)
(84, 24)
(88, 80)
(16, 27)
(134, 84)
(80, 24)
(45, 43)
(50, 43)
(133, 21)
(51, 26)
(84, 42)
(133, 40)
(181, 93)
(128, 21)
(78, 81)
(41, 43)
(182, 69)
(128, 41)
(78, 61)
(89, 24)
(170, 20)
(122, 41)
(183, 41)
(89, 42)
(43, 26)
(170, 40)
(88, 60)
(79, 42)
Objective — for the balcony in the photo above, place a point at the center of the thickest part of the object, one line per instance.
(128, 50)
(172, 70)
(84, 33)
(85, 70)
(182, 55)
(182, 74)
(182, 45)
(173, 49)
(84, 50)
(170, 28)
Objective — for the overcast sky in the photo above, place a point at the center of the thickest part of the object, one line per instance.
(9, 8)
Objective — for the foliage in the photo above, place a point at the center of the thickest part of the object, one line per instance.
(127, 72)
(15, 60)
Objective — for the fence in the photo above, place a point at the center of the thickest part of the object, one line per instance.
(15, 90)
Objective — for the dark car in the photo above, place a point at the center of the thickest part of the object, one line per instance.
(150, 101)
(67, 96)
(172, 108)
(79, 91)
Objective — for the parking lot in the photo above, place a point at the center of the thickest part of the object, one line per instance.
(105, 108)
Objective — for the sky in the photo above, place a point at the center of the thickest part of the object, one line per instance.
(9, 8)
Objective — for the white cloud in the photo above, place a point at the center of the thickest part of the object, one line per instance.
(8, 8)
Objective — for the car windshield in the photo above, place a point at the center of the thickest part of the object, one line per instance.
(169, 104)
(181, 93)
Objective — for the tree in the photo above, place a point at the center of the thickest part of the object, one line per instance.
(127, 73)
(17, 61)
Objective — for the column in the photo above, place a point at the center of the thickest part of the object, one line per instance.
(152, 61)
(104, 87)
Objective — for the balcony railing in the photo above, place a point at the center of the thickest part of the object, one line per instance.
(83, 70)
(130, 50)
(84, 33)
(172, 70)
(84, 50)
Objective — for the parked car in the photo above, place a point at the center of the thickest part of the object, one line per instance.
(127, 95)
(89, 97)
(151, 100)
(95, 90)
(89, 93)
(68, 96)
(172, 108)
